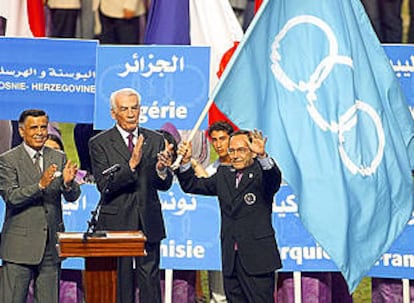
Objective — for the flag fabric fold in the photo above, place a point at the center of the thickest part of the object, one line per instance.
(314, 78)
(36, 15)
(25, 18)
(168, 23)
(213, 23)
(199, 23)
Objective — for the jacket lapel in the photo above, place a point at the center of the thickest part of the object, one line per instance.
(146, 144)
(47, 159)
(26, 162)
(247, 178)
(230, 179)
(243, 187)
(118, 143)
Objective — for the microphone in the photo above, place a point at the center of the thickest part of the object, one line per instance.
(110, 170)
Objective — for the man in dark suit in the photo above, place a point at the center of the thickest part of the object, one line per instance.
(130, 201)
(245, 192)
(32, 179)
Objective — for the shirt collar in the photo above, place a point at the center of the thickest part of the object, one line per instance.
(32, 151)
(125, 134)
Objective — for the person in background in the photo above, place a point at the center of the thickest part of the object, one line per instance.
(171, 136)
(130, 200)
(385, 16)
(64, 16)
(248, 14)
(88, 15)
(245, 190)
(32, 179)
(411, 27)
(120, 21)
(53, 141)
(82, 133)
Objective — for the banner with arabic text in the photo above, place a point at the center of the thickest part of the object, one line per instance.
(56, 75)
(172, 81)
(193, 230)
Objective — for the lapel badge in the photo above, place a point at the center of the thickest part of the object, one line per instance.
(250, 175)
(250, 198)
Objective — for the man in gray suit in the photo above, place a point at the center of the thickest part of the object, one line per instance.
(32, 179)
(130, 198)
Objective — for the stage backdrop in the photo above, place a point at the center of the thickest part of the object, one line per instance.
(58, 75)
(193, 227)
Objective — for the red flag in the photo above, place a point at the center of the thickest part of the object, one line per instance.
(214, 113)
(213, 23)
(36, 16)
(257, 4)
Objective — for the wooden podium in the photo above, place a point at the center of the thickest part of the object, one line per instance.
(100, 253)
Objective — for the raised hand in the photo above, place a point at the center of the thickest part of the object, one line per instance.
(258, 143)
(48, 176)
(165, 157)
(184, 149)
(69, 172)
(136, 155)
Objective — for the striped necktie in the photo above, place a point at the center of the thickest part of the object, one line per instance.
(37, 161)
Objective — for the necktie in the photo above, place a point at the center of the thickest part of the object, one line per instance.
(239, 175)
(37, 161)
(130, 142)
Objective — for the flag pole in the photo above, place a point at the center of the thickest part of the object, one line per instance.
(406, 290)
(196, 127)
(297, 286)
(219, 84)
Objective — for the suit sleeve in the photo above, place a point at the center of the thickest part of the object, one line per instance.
(189, 183)
(14, 194)
(73, 192)
(272, 178)
(101, 160)
(162, 183)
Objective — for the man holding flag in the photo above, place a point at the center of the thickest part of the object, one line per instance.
(349, 160)
(245, 191)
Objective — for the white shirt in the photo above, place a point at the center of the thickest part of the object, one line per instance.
(115, 8)
(33, 152)
(125, 135)
(64, 4)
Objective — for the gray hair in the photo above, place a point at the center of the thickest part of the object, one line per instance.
(124, 91)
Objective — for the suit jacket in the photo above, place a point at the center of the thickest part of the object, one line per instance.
(245, 214)
(130, 201)
(31, 213)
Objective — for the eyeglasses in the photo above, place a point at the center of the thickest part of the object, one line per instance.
(240, 150)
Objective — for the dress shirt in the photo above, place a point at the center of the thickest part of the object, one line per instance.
(32, 154)
(125, 134)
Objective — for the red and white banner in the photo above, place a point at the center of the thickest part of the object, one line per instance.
(24, 18)
(213, 23)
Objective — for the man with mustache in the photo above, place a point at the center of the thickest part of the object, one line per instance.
(33, 178)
